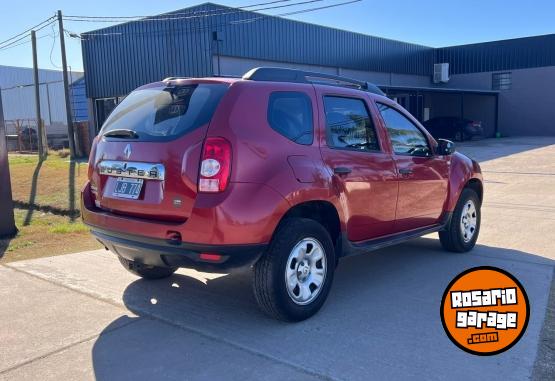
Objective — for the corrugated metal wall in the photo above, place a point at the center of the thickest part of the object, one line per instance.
(120, 58)
(18, 96)
(517, 53)
(277, 39)
(80, 111)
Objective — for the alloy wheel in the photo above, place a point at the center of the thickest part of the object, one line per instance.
(469, 220)
(306, 271)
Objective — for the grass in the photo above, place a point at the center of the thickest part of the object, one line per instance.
(46, 195)
(55, 182)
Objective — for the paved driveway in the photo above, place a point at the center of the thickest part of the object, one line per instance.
(81, 316)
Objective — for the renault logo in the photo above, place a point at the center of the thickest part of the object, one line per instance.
(127, 151)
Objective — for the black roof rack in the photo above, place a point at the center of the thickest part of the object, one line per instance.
(215, 75)
(278, 74)
(174, 78)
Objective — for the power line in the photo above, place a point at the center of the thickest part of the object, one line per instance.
(318, 8)
(212, 26)
(23, 36)
(212, 11)
(14, 43)
(52, 48)
(294, 12)
(167, 17)
(27, 30)
(23, 43)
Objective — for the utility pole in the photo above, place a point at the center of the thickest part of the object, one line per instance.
(7, 221)
(43, 149)
(69, 119)
(48, 102)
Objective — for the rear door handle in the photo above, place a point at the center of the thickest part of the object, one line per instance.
(341, 170)
(405, 171)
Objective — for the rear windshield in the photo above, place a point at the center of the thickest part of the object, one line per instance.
(164, 113)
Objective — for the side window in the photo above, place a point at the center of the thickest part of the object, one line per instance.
(290, 114)
(406, 138)
(348, 124)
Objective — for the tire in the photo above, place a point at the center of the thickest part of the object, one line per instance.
(459, 136)
(284, 258)
(455, 237)
(146, 272)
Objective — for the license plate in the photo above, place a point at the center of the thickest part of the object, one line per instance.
(128, 188)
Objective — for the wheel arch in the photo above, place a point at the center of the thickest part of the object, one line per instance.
(477, 186)
(323, 212)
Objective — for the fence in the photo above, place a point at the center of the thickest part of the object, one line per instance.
(22, 136)
(17, 90)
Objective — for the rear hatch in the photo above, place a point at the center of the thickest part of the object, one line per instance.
(148, 152)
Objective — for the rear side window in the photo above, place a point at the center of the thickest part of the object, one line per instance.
(348, 124)
(290, 115)
(165, 113)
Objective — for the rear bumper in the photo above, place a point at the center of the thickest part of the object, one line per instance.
(245, 214)
(163, 253)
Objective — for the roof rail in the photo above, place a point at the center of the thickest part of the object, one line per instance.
(215, 75)
(278, 74)
(173, 78)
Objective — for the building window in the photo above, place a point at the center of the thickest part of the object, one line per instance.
(501, 81)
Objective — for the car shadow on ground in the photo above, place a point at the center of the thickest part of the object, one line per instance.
(381, 321)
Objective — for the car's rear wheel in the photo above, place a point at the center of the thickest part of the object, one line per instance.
(147, 272)
(293, 278)
(463, 229)
(459, 136)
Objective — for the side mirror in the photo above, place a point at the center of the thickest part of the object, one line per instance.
(445, 147)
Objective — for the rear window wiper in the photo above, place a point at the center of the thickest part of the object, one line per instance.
(122, 133)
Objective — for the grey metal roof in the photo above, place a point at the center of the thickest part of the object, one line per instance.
(184, 47)
(119, 58)
(439, 90)
(517, 53)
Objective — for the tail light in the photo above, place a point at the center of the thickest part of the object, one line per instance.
(92, 160)
(215, 167)
(90, 172)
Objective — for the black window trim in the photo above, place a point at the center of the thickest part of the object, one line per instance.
(311, 115)
(370, 116)
(430, 146)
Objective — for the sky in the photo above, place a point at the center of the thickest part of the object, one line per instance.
(428, 22)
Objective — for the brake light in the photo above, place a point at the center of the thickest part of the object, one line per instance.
(215, 167)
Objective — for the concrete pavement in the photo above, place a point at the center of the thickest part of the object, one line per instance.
(81, 316)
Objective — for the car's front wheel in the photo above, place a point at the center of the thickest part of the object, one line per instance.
(147, 272)
(293, 278)
(461, 233)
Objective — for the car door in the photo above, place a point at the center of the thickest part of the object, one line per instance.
(423, 176)
(364, 172)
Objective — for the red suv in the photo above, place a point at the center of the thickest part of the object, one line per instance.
(282, 170)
